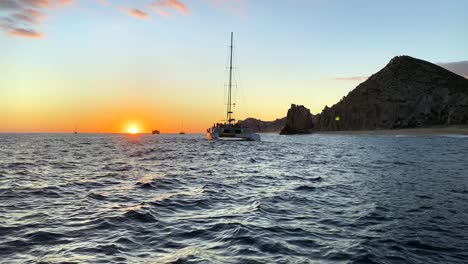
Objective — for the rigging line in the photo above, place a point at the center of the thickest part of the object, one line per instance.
(225, 84)
(229, 107)
(234, 82)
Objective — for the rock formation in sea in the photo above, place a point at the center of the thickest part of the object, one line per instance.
(259, 126)
(298, 121)
(407, 93)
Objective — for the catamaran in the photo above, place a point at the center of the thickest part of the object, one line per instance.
(230, 129)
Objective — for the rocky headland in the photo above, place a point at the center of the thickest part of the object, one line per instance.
(407, 93)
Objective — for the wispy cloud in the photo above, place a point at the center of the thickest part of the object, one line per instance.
(36, 3)
(164, 7)
(25, 33)
(352, 78)
(30, 16)
(66, 2)
(9, 5)
(137, 13)
(458, 67)
(21, 18)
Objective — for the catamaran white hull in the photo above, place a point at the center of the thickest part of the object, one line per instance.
(230, 130)
(243, 136)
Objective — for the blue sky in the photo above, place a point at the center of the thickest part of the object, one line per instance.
(173, 53)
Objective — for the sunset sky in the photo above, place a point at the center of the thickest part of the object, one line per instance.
(109, 65)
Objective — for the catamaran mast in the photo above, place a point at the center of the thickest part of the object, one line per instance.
(229, 106)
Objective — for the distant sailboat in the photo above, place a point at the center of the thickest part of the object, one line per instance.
(76, 130)
(230, 129)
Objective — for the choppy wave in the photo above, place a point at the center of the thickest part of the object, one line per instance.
(182, 199)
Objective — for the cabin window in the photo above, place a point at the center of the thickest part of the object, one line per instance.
(238, 131)
(227, 131)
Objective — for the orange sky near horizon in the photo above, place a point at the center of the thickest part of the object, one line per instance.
(42, 100)
(25, 111)
(114, 121)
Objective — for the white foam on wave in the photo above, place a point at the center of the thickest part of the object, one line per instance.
(193, 192)
(454, 136)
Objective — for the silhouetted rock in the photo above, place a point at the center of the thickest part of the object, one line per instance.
(259, 126)
(298, 121)
(407, 93)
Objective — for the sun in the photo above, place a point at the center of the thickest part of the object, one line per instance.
(132, 130)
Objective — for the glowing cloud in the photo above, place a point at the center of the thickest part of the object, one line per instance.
(163, 7)
(66, 2)
(36, 3)
(137, 13)
(18, 18)
(22, 18)
(26, 33)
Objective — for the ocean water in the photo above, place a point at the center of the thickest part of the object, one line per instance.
(182, 199)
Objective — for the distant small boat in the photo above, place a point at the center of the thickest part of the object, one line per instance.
(182, 132)
(76, 130)
(155, 132)
(230, 129)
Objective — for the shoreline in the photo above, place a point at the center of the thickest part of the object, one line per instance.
(426, 131)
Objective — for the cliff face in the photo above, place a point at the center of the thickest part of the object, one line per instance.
(407, 93)
(298, 121)
(259, 126)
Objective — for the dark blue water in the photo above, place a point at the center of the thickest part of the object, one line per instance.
(182, 199)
